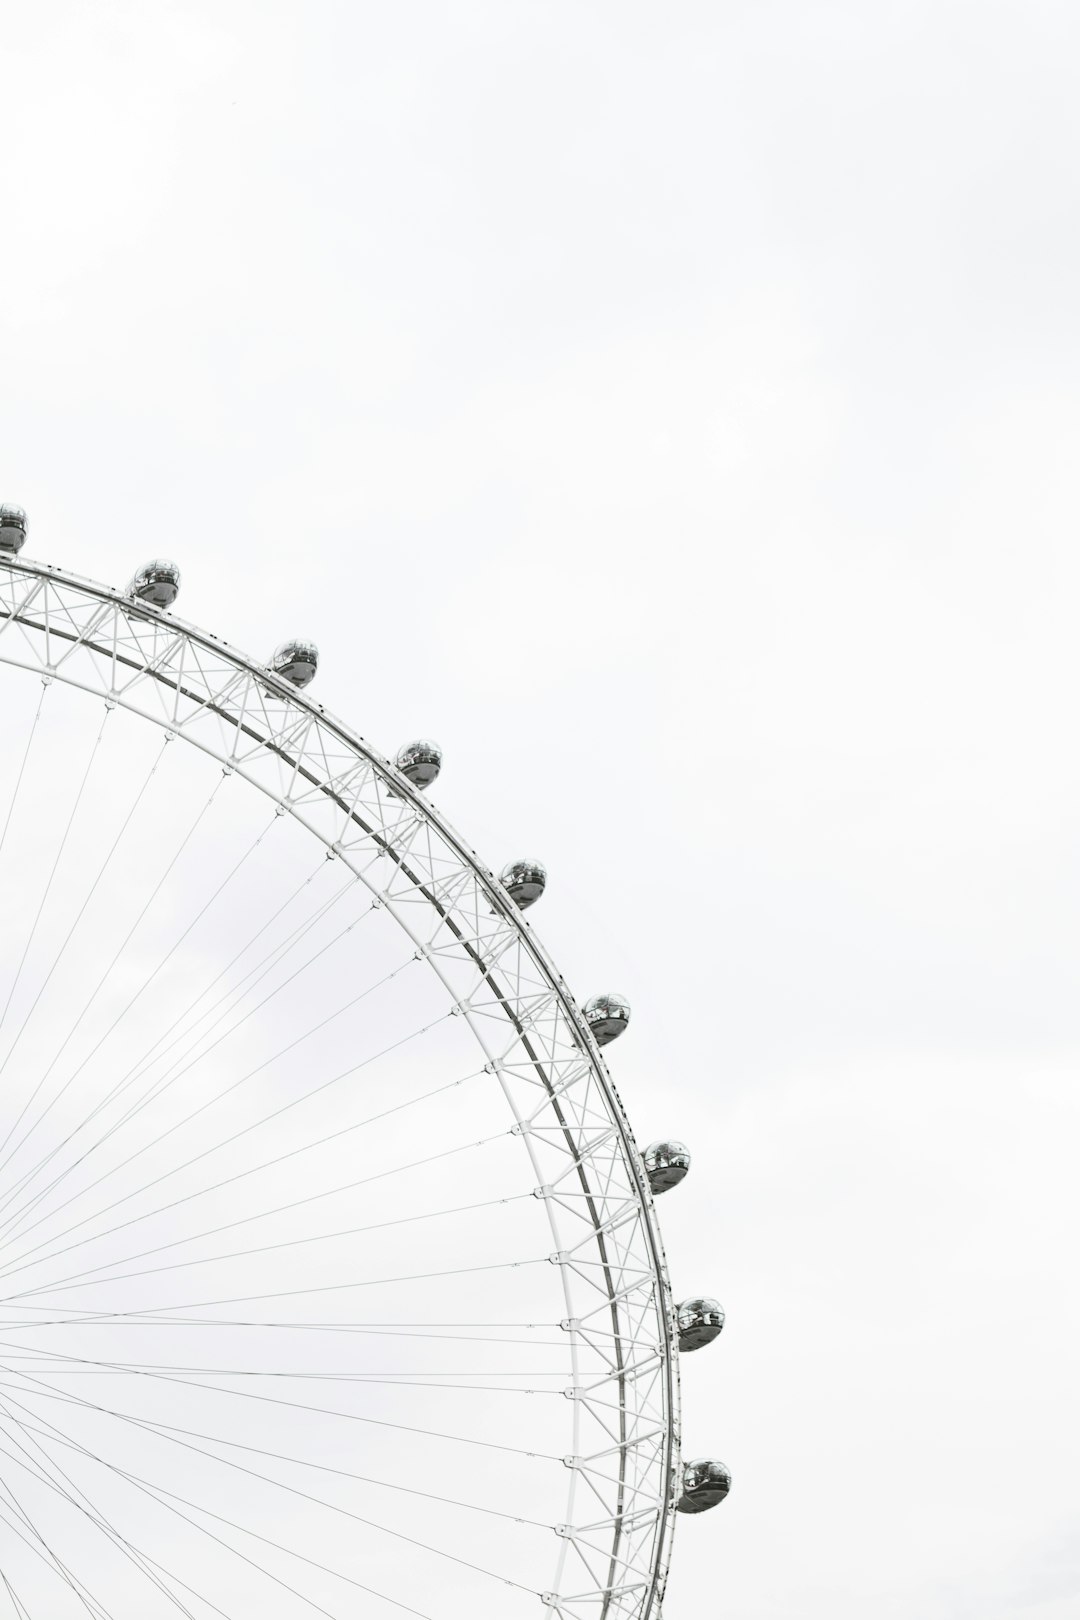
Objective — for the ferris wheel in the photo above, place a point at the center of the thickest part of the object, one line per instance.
(330, 1275)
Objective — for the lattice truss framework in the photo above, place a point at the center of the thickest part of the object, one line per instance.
(615, 1545)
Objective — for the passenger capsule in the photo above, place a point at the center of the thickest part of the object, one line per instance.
(700, 1322)
(607, 1016)
(420, 761)
(297, 661)
(704, 1483)
(524, 882)
(666, 1163)
(12, 528)
(158, 583)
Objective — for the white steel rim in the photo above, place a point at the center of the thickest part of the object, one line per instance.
(615, 1542)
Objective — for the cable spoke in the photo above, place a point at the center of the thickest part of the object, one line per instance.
(67, 941)
(146, 1061)
(23, 763)
(371, 1524)
(228, 1141)
(337, 1412)
(168, 1430)
(328, 1192)
(76, 1280)
(148, 981)
(119, 953)
(164, 1082)
(49, 883)
(72, 1494)
(44, 1551)
(292, 1153)
(158, 1492)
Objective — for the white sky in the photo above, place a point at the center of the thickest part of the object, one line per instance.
(671, 409)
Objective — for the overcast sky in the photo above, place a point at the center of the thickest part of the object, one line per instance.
(671, 409)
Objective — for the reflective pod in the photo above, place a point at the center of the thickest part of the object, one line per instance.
(524, 881)
(12, 528)
(607, 1016)
(157, 582)
(700, 1322)
(297, 661)
(666, 1163)
(420, 761)
(704, 1483)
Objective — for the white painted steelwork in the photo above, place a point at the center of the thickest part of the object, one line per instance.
(624, 1476)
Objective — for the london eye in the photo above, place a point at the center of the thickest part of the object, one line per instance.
(332, 1281)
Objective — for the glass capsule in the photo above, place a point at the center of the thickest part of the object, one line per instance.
(524, 881)
(705, 1482)
(607, 1016)
(700, 1321)
(666, 1163)
(12, 528)
(297, 661)
(420, 761)
(157, 582)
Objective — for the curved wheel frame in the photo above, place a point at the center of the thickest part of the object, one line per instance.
(619, 1314)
